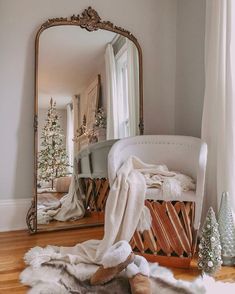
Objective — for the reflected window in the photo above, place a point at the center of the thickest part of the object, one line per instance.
(122, 67)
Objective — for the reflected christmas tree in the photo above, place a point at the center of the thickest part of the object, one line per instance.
(52, 159)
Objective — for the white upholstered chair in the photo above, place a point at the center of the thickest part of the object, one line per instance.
(187, 155)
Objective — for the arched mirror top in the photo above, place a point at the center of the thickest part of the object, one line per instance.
(90, 20)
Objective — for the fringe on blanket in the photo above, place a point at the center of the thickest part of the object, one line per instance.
(145, 221)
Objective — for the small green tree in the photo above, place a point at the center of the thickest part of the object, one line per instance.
(227, 230)
(52, 159)
(209, 256)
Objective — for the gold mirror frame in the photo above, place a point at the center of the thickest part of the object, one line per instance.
(91, 21)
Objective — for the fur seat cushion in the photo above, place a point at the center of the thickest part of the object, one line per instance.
(62, 184)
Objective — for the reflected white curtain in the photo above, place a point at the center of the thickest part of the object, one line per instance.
(76, 121)
(69, 136)
(133, 87)
(111, 92)
(122, 94)
(218, 124)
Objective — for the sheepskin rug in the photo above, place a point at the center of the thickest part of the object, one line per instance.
(63, 279)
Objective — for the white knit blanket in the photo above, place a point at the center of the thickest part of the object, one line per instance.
(171, 183)
(124, 210)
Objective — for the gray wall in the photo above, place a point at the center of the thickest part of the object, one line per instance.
(153, 23)
(170, 95)
(189, 67)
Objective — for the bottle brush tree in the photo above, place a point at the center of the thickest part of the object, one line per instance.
(227, 230)
(52, 159)
(209, 256)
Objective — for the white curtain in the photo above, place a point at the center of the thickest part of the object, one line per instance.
(218, 123)
(133, 87)
(69, 136)
(111, 92)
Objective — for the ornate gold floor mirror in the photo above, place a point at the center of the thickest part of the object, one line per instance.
(88, 94)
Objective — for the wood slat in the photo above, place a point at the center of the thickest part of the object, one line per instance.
(192, 213)
(159, 230)
(177, 207)
(103, 193)
(97, 183)
(132, 243)
(149, 241)
(170, 229)
(178, 227)
(96, 193)
(187, 223)
(138, 241)
(88, 191)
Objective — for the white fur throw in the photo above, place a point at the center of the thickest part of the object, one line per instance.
(116, 254)
(37, 256)
(63, 280)
(138, 266)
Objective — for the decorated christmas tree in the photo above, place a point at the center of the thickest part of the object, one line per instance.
(227, 230)
(52, 159)
(100, 118)
(209, 257)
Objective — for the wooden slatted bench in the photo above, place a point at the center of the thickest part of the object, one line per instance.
(171, 241)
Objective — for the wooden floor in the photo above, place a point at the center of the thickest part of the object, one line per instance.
(13, 246)
(90, 219)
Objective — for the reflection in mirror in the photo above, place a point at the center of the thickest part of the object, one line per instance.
(88, 96)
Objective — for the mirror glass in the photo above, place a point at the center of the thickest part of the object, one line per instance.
(87, 97)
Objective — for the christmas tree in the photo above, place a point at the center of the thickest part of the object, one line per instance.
(100, 118)
(52, 160)
(227, 231)
(209, 257)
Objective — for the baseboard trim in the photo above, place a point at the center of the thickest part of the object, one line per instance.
(13, 214)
